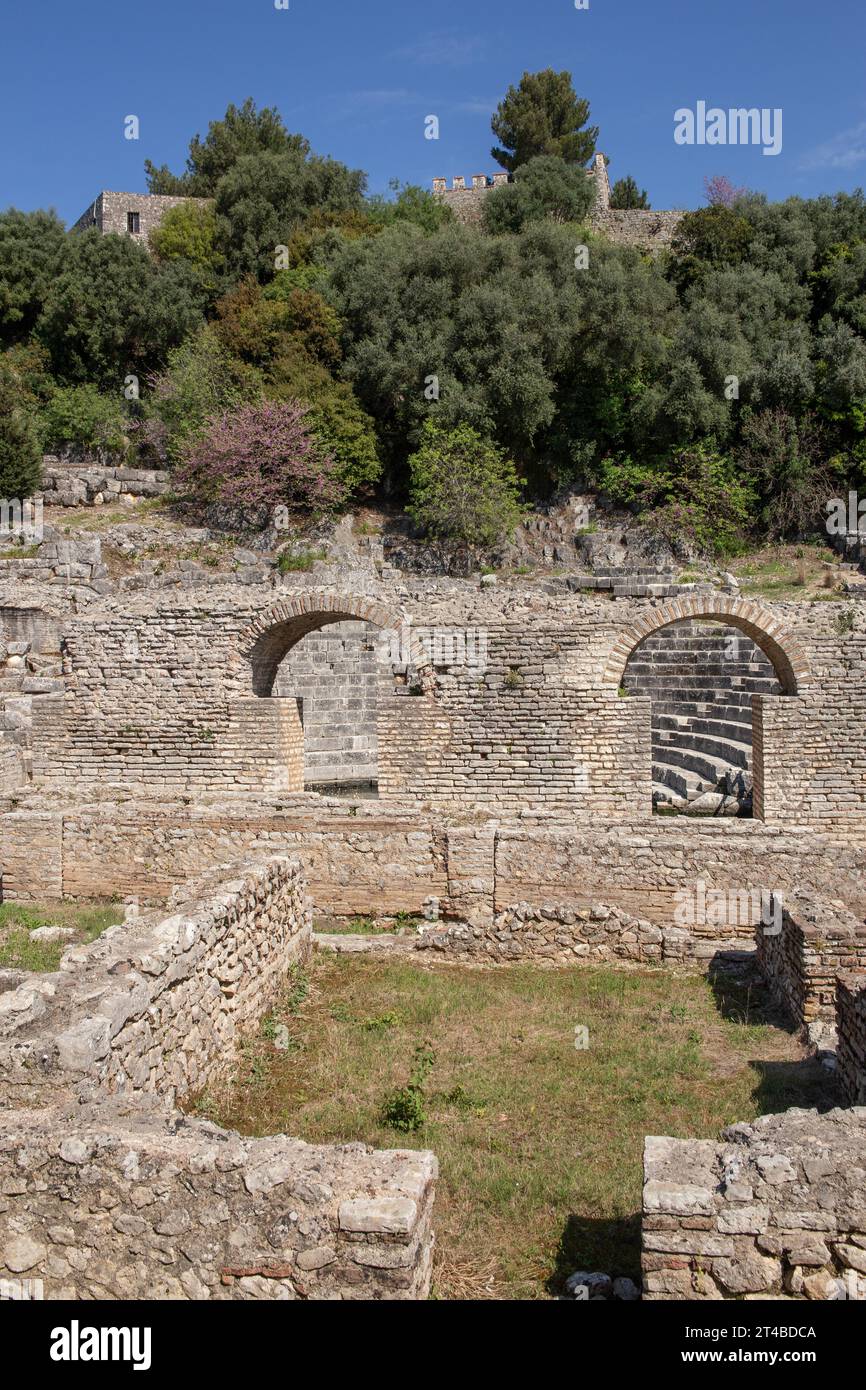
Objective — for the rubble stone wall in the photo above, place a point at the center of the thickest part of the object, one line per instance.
(801, 962)
(851, 1034)
(108, 1193)
(777, 1209)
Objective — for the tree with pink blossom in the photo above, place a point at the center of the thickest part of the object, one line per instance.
(721, 193)
(259, 457)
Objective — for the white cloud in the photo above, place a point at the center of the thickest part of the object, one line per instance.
(843, 151)
(449, 50)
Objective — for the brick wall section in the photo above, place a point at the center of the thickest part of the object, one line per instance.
(540, 729)
(31, 856)
(370, 858)
(818, 940)
(335, 673)
(851, 1036)
(126, 1205)
(172, 747)
(777, 1209)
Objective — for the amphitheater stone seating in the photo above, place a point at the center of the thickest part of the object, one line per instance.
(701, 677)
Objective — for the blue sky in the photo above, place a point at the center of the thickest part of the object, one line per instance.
(358, 78)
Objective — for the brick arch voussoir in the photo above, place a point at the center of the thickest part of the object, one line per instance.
(782, 649)
(266, 640)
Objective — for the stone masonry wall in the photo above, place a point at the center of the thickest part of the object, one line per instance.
(108, 212)
(109, 1194)
(818, 939)
(114, 1204)
(851, 1036)
(156, 1004)
(335, 674)
(777, 1209)
(538, 728)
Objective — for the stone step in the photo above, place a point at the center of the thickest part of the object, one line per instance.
(726, 751)
(707, 768)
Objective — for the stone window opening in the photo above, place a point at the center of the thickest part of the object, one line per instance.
(133, 223)
(700, 676)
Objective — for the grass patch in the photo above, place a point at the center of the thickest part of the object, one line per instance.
(539, 1143)
(19, 951)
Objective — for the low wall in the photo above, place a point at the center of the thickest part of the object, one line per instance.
(91, 481)
(801, 963)
(108, 1194)
(851, 1030)
(562, 935)
(157, 1003)
(149, 1207)
(777, 1209)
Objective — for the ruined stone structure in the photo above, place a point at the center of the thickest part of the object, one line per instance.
(776, 1210)
(129, 214)
(514, 812)
(638, 227)
(109, 1194)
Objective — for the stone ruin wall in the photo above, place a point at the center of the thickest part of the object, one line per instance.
(380, 862)
(643, 228)
(777, 1209)
(818, 940)
(107, 1193)
(163, 702)
(851, 1035)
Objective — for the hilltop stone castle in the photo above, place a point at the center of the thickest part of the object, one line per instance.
(139, 214)
(628, 227)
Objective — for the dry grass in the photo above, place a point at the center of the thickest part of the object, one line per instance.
(539, 1144)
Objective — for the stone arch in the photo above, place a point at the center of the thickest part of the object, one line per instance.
(783, 650)
(272, 634)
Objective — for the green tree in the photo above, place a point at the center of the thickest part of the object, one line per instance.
(20, 454)
(464, 492)
(188, 232)
(243, 131)
(336, 418)
(31, 251)
(110, 311)
(710, 237)
(263, 198)
(543, 115)
(626, 194)
(412, 204)
(201, 380)
(544, 189)
(82, 417)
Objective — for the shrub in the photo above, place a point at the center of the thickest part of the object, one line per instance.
(404, 1108)
(697, 496)
(85, 419)
(260, 456)
(200, 380)
(463, 489)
